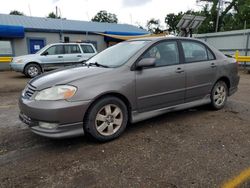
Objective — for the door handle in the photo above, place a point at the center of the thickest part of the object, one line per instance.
(213, 65)
(79, 56)
(60, 56)
(179, 70)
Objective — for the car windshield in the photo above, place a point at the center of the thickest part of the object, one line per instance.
(42, 49)
(118, 54)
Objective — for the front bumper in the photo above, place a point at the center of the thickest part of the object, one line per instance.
(67, 115)
(18, 67)
(62, 131)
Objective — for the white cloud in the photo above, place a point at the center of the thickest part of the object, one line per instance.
(128, 11)
(135, 3)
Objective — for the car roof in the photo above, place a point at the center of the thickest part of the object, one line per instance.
(163, 38)
(68, 43)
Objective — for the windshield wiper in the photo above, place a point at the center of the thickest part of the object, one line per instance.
(98, 65)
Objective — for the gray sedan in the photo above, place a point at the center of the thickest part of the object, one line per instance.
(129, 82)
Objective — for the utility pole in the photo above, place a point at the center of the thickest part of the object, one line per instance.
(218, 15)
(56, 12)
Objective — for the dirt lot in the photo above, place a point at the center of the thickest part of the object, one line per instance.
(192, 148)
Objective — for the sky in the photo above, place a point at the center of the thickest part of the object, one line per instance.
(136, 12)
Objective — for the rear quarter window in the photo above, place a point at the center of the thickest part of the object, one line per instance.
(87, 49)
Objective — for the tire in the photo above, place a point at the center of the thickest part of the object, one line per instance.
(106, 119)
(32, 70)
(219, 95)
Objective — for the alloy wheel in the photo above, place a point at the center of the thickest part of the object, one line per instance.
(220, 94)
(33, 71)
(108, 120)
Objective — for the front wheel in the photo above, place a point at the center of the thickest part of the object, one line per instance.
(32, 70)
(106, 119)
(219, 95)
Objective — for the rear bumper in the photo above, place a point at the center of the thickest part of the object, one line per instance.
(234, 88)
(232, 91)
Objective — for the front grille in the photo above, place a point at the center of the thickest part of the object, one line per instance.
(29, 91)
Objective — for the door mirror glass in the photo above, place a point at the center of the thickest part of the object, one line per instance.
(146, 62)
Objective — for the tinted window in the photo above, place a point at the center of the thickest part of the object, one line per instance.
(194, 51)
(72, 49)
(87, 49)
(166, 53)
(54, 50)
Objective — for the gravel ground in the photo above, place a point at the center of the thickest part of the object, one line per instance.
(191, 148)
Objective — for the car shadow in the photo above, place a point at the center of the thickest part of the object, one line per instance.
(86, 141)
(19, 76)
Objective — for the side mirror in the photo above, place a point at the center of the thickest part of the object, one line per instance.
(146, 62)
(45, 53)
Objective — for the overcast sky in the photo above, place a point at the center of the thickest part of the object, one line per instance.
(128, 11)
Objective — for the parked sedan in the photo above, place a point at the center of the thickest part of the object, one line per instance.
(129, 82)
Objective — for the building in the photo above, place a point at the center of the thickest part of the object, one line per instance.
(229, 42)
(20, 35)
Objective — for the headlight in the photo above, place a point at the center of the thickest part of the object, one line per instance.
(56, 93)
(19, 61)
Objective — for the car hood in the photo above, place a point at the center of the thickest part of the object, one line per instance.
(30, 56)
(65, 76)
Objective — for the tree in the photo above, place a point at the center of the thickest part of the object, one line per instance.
(104, 16)
(228, 6)
(235, 15)
(172, 20)
(242, 16)
(53, 15)
(16, 12)
(153, 26)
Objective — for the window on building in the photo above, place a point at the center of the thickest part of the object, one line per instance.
(5, 48)
(66, 39)
(87, 48)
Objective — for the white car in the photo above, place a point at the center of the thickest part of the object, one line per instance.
(53, 56)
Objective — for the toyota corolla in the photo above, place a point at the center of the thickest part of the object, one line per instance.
(129, 82)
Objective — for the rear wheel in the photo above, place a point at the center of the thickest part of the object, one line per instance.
(32, 70)
(106, 119)
(219, 95)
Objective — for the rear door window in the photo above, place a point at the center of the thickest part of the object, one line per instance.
(194, 51)
(72, 49)
(87, 48)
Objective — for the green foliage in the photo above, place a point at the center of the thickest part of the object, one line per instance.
(53, 15)
(104, 16)
(153, 26)
(234, 15)
(172, 20)
(16, 12)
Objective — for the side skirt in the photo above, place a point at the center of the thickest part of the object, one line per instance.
(136, 116)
